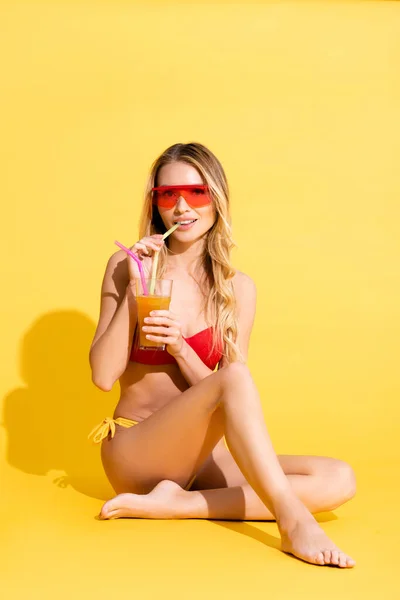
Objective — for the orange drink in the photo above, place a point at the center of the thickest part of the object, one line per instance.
(160, 300)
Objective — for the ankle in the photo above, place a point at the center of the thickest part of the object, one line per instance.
(290, 511)
(192, 505)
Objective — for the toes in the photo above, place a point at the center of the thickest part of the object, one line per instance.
(114, 515)
(342, 560)
(110, 514)
(327, 557)
(335, 557)
(106, 509)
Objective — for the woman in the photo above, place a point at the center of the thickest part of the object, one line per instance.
(165, 453)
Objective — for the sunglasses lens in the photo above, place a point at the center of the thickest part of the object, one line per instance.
(195, 197)
(165, 198)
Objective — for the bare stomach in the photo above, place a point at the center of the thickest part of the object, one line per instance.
(147, 388)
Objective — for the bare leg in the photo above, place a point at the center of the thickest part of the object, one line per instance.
(242, 503)
(169, 501)
(251, 447)
(237, 503)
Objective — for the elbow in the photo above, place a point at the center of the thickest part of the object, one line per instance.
(101, 381)
(102, 377)
(99, 378)
(102, 384)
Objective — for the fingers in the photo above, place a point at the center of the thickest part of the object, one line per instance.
(170, 331)
(143, 246)
(155, 314)
(169, 321)
(161, 339)
(165, 324)
(153, 240)
(140, 247)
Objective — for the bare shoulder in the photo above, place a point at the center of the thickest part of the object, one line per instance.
(119, 258)
(245, 288)
(117, 275)
(246, 297)
(246, 300)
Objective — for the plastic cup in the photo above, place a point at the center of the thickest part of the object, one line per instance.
(159, 300)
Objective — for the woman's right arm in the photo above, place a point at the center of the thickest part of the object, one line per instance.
(110, 349)
(109, 352)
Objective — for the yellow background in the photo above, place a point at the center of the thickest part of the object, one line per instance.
(300, 102)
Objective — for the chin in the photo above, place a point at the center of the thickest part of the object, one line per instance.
(190, 238)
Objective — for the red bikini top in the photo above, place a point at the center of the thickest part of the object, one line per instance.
(200, 342)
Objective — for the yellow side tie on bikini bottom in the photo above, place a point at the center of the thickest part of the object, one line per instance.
(101, 431)
(107, 425)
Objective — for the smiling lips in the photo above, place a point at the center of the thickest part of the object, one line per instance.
(185, 224)
(186, 221)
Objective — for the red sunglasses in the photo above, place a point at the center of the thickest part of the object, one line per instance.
(167, 196)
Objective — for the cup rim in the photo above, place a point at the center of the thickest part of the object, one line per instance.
(150, 278)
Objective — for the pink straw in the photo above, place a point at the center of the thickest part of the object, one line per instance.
(139, 264)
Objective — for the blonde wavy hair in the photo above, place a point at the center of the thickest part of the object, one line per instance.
(219, 302)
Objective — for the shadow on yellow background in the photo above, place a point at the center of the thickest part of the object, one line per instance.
(47, 421)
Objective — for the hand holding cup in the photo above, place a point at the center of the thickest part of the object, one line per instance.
(164, 326)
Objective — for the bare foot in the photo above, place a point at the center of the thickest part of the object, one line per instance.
(161, 503)
(302, 537)
(308, 541)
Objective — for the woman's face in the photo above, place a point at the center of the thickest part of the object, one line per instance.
(180, 173)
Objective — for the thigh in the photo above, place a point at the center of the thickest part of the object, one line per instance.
(170, 444)
(220, 470)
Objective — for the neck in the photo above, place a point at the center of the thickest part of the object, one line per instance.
(185, 257)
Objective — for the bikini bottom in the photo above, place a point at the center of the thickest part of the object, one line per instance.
(107, 426)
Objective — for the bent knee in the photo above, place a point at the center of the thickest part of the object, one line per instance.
(236, 369)
(346, 479)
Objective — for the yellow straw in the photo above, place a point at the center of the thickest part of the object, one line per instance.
(167, 233)
(154, 273)
(155, 261)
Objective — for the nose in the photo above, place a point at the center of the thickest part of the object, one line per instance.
(181, 204)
